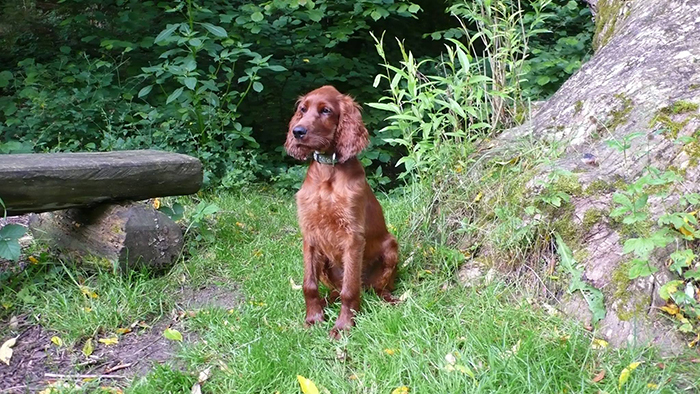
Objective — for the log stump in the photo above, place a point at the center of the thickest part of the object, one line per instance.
(120, 237)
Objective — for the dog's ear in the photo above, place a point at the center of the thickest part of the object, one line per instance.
(290, 145)
(351, 135)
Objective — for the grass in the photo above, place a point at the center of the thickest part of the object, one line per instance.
(496, 338)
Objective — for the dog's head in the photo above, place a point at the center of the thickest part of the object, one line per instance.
(326, 121)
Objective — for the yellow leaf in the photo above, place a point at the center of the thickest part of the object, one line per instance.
(307, 386)
(88, 292)
(671, 309)
(6, 350)
(599, 343)
(156, 203)
(652, 386)
(694, 341)
(57, 341)
(390, 352)
(33, 260)
(87, 348)
(109, 341)
(625, 374)
(122, 331)
(112, 390)
(685, 231)
(400, 390)
(478, 197)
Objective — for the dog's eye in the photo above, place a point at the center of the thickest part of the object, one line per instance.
(326, 111)
(302, 109)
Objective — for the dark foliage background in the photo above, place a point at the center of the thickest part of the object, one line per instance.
(218, 79)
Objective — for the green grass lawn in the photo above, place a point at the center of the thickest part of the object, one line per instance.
(443, 338)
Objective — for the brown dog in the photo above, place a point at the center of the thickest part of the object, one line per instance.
(346, 243)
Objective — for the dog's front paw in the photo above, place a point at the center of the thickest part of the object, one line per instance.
(341, 325)
(313, 318)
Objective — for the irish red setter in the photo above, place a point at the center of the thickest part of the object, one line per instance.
(346, 243)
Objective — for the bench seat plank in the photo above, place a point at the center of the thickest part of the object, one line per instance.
(40, 182)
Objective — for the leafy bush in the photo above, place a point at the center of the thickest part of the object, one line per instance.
(460, 97)
(563, 41)
(218, 80)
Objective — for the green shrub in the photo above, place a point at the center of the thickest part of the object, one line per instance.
(460, 97)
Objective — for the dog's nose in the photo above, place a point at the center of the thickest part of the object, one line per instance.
(299, 132)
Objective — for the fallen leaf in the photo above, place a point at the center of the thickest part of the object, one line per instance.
(88, 348)
(400, 390)
(173, 335)
(671, 309)
(204, 375)
(652, 386)
(694, 341)
(307, 386)
(57, 341)
(599, 376)
(156, 203)
(112, 390)
(122, 331)
(88, 292)
(294, 285)
(33, 260)
(625, 374)
(6, 350)
(109, 341)
(390, 352)
(340, 354)
(599, 343)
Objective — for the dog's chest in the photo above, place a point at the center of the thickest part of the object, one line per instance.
(324, 215)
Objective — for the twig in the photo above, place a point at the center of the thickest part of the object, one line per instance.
(118, 367)
(62, 376)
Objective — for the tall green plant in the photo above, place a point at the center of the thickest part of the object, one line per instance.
(459, 97)
(426, 110)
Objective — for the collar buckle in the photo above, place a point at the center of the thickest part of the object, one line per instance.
(323, 158)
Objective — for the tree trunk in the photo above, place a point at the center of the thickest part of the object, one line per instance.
(116, 237)
(633, 106)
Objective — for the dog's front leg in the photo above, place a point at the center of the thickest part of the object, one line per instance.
(352, 285)
(314, 306)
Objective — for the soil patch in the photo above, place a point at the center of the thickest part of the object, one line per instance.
(132, 357)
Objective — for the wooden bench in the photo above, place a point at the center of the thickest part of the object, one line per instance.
(95, 218)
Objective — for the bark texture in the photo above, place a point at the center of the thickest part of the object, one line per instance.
(647, 62)
(47, 182)
(118, 237)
